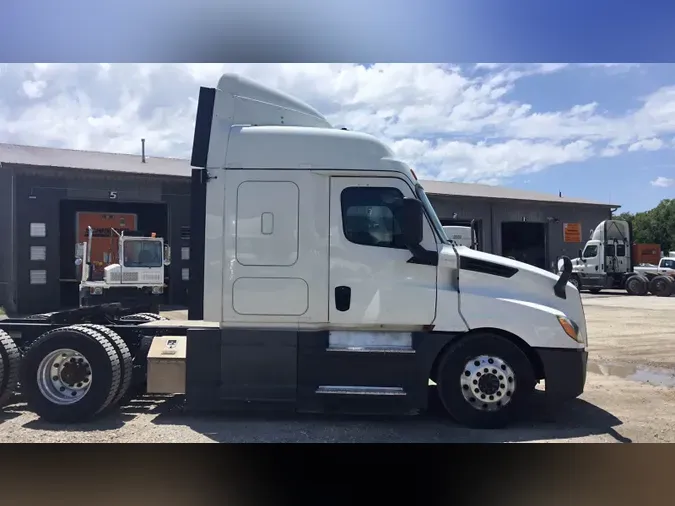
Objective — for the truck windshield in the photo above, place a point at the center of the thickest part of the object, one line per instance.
(435, 222)
(142, 253)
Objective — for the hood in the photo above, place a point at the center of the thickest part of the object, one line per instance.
(529, 283)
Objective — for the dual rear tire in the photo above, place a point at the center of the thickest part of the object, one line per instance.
(72, 374)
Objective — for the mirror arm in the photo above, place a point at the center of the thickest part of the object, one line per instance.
(422, 256)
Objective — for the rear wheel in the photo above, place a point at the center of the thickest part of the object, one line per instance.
(485, 381)
(10, 360)
(661, 286)
(70, 374)
(124, 356)
(637, 285)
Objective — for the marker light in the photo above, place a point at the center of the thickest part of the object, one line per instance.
(570, 328)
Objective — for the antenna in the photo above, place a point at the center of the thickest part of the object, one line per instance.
(142, 150)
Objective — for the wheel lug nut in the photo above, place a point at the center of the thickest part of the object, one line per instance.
(467, 373)
(499, 394)
(482, 396)
(491, 360)
(492, 397)
(73, 394)
(476, 390)
(62, 389)
(503, 367)
(476, 363)
(55, 378)
(486, 370)
(502, 385)
(494, 371)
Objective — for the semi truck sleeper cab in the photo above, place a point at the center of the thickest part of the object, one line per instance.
(322, 280)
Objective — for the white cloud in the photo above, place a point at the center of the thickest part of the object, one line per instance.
(450, 122)
(663, 182)
(652, 144)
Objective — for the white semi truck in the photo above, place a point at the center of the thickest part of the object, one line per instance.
(322, 281)
(462, 235)
(136, 278)
(607, 261)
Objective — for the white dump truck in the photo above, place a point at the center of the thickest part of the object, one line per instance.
(607, 261)
(322, 281)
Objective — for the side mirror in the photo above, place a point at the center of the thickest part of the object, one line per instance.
(412, 222)
(167, 254)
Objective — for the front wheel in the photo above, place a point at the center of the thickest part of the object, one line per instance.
(576, 283)
(485, 381)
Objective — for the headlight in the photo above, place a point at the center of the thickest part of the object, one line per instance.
(156, 290)
(570, 328)
(96, 290)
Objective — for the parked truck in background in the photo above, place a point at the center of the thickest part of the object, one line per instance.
(609, 260)
(462, 235)
(321, 281)
(121, 266)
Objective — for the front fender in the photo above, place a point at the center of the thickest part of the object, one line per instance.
(535, 324)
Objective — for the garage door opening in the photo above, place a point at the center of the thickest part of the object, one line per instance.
(525, 242)
(144, 218)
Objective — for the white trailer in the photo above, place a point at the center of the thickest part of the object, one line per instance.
(322, 281)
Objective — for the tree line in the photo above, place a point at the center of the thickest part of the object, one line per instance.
(656, 226)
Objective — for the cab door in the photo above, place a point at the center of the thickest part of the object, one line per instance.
(371, 281)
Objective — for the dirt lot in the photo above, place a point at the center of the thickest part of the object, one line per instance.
(630, 397)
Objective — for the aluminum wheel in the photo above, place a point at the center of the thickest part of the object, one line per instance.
(64, 376)
(488, 383)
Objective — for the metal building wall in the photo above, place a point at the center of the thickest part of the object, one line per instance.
(38, 194)
(494, 212)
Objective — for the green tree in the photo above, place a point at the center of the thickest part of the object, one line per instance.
(656, 226)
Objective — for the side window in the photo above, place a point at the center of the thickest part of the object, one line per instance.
(668, 264)
(609, 250)
(621, 250)
(369, 216)
(590, 251)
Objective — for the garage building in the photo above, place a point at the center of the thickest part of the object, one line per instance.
(42, 190)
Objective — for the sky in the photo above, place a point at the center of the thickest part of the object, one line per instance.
(602, 131)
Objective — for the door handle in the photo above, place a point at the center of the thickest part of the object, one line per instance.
(343, 298)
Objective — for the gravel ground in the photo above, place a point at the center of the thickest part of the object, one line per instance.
(630, 397)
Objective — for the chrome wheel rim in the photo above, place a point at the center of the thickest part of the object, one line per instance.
(64, 376)
(488, 383)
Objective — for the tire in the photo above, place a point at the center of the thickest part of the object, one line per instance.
(10, 364)
(100, 380)
(145, 317)
(575, 281)
(661, 286)
(637, 285)
(124, 356)
(454, 384)
(595, 291)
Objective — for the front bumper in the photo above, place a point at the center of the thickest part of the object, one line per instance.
(564, 372)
